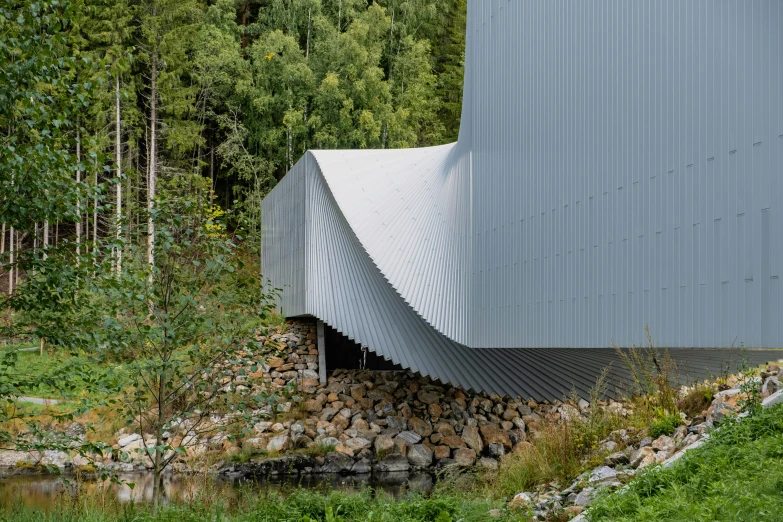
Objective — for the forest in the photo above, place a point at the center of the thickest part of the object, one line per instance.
(106, 101)
(139, 138)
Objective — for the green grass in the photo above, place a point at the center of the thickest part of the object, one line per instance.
(736, 476)
(300, 506)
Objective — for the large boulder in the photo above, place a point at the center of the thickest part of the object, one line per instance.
(420, 427)
(419, 456)
(471, 436)
(643, 457)
(445, 429)
(492, 434)
(357, 444)
(664, 444)
(410, 437)
(361, 467)
(602, 473)
(278, 444)
(393, 464)
(773, 399)
(464, 457)
(771, 385)
(720, 410)
(442, 452)
(453, 442)
(128, 439)
(384, 445)
(336, 462)
(429, 397)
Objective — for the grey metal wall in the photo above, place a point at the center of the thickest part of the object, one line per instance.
(617, 166)
(627, 158)
(284, 236)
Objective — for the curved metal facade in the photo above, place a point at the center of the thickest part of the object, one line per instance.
(618, 165)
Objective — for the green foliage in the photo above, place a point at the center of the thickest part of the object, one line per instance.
(654, 374)
(558, 452)
(664, 424)
(41, 99)
(44, 375)
(750, 386)
(183, 327)
(735, 476)
(697, 400)
(173, 340)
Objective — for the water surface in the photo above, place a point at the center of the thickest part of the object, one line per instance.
(46, 491)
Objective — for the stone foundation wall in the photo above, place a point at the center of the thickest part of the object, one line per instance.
(385, 420)
(290, 356)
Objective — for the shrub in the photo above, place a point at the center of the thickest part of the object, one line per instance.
(653, 371)
(664, 424)
(558, 452)
(697, 400)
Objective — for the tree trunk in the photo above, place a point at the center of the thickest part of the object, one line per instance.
(78, 197)
(245, 14)
(18, 249)
(11, 251)
(153, 160)
(95, 213)
(117, 153)
(309, 20)
(45, 237)
(11, 266)
(159, 456)
(212, 159)
(129, 194)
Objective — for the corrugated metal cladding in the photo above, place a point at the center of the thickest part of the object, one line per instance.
(619, 164)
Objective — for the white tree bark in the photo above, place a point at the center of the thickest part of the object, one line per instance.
(78, 197)
(11, 250)
(45, 243)
(117, 154)
(153, 160)
(11, 266)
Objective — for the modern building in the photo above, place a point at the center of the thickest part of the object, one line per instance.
(619, 164)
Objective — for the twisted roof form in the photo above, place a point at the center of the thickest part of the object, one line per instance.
(618, 165)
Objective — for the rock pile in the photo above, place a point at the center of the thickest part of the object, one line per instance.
(396, 421)
(290, 357)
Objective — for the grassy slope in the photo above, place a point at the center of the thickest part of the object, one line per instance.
(738, 476)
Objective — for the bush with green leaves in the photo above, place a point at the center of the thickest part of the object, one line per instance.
(664, 423)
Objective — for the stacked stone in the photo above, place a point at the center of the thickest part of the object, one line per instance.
(290, 357)
(388, 420)
(396, 421)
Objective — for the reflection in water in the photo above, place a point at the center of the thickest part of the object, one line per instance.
(44, 491)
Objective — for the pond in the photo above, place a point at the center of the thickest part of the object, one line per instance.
(45, 491)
